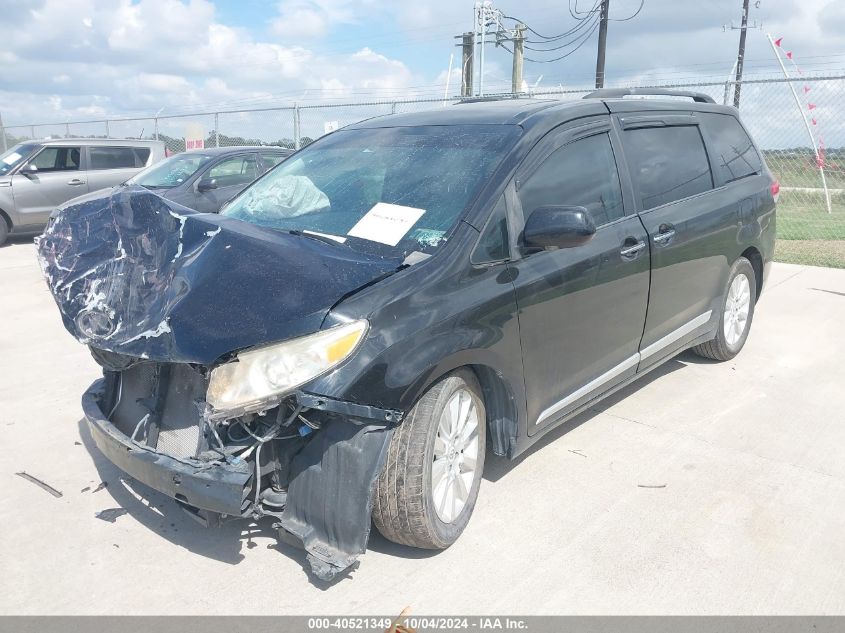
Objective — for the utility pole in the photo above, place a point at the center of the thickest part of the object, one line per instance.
(605, 10)
(518, 57)
(743, 29)
(466, 64)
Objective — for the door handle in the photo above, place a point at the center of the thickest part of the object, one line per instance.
(662, 238)
(75, 182)
(631, 251)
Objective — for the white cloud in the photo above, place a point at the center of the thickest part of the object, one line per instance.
(138, 56)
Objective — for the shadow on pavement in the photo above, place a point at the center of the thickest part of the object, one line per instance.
(496, 467)
(23, 238)
(163, 516)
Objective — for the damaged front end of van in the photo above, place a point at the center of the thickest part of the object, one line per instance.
(209, 331)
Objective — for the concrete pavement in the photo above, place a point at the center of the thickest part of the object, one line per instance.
(705, 488)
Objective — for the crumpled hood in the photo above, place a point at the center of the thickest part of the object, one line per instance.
(135, 274)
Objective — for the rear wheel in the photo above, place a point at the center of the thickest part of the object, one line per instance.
(4, 230)
(428, 488)
(737, 314)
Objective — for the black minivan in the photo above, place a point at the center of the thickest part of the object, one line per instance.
(343, 341)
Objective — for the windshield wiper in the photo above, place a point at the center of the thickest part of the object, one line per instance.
(316, 236)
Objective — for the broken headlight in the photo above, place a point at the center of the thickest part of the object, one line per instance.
(260, 374)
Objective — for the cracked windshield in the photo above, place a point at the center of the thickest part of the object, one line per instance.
(384, 191)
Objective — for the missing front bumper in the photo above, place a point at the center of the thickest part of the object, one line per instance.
(219, 488)
(329, 485)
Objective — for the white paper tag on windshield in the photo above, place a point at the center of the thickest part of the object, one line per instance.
(386, 223)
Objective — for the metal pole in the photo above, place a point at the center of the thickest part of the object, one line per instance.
(483, 27)
(108, 131)
(728, 83)
(740, 56)
(3, 133)
(466, 64)
(518, 55)
(32, 131)
(393, 108)
(806, 123)
(605, 9)
(448, 78)
(155, 122)
(67, 130)
(296, 137)
(476, 41)
(216, 132)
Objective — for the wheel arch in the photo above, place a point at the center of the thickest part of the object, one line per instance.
(753, 255)
(8, 220)
(500, 400)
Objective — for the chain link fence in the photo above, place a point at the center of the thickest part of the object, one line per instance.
(811, 219)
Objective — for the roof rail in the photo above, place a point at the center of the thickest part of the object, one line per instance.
(614, 93)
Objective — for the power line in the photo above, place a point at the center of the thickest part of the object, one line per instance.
(632, 16)
(585, 24)
(550, 38)
(585, 39)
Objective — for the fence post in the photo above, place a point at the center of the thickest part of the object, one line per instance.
(155, 125)
(108, 131)
(32, 131)
(727, 92)
(67, 129)
(216, 130)
(296, 126)
(393, 108)
(3, 133)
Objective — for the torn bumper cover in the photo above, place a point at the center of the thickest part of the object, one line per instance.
(328, 482)
(162, 295)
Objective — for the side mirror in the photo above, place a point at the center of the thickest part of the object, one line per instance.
(29, 169)
(559, 226)
(206, 184)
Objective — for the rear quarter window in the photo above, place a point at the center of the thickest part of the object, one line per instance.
(667, 163)
(103, 157)
(734, 156)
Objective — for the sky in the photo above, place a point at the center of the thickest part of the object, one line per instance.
(68, 60)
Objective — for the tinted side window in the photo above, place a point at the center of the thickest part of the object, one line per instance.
(582, 173)
(734, 154)
(57, 159)
(271, 160)
(116, 157)
(240, 170)
(668, 163)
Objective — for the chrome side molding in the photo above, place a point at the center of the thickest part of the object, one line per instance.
(625, 365)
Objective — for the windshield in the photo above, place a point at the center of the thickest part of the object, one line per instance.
(384, 191)
(171, 172)
(15, 156)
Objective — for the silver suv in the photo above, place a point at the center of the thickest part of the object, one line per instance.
(38, 176)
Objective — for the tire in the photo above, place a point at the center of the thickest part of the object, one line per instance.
(4, 230)
(738, 301)
(404, 507)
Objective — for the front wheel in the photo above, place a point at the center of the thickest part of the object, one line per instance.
(428, 488)
(737, 314)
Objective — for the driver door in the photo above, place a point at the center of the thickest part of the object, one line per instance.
(581, 309)
(59, 177)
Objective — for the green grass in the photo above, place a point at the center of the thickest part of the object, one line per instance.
(803, 216)
(801, 171)
(807, 233)
(830, 253)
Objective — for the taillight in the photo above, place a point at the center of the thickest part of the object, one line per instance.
(775, 190)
